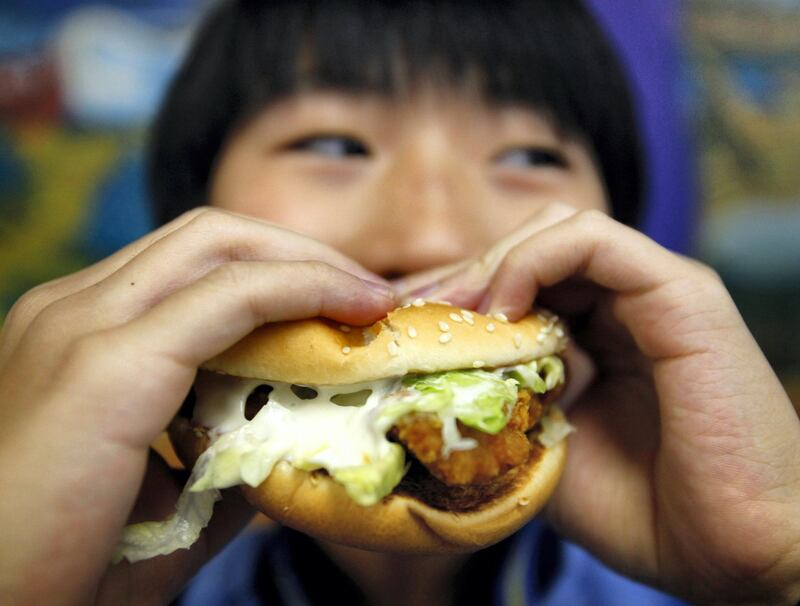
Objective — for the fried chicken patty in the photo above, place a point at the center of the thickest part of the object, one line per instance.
(421, 434)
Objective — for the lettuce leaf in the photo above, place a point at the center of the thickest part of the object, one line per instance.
(539, 375)
(479, 399)
(179, 531)
(369, 483)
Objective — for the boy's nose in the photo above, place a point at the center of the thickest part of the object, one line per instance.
(426, 210)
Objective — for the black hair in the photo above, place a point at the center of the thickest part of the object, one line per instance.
(549, 55)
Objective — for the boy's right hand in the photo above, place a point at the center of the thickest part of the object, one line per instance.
(94, 365)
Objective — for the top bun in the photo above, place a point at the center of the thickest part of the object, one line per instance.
(422, 337)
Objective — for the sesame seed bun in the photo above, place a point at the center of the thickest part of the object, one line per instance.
(423, 337)
(422, 515)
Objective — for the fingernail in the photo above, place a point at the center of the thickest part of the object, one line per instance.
(382, 290)
(488, 307)
(485, 305)
(424, 292)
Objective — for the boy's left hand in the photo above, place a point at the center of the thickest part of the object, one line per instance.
(685, 469)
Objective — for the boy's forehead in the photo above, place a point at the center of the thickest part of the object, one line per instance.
(439, 103)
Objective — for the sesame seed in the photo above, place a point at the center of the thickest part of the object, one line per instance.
(344, 328)
(523, 501)
(418, 302)
(478, 364)
(500, 316)
(517, 340)
(469, 320)
(541, 337)
(412, 332)
(542, 317)
(393, 348)
(444, 326)
(559, 332)
(406, 305)
(490, 327)
(346, 350)
(445, 338)
(456, 318)
(467, 314)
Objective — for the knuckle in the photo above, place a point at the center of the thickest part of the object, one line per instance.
(209, 219)
(707, 273)
(83, 353)
(224, 238)
(708, 279)
(29, 305)
(591, 219)
(698, 272)
(319, 270)
(514, 259)
(91, 361)
(232, 275)
(195, 213)
(558, 210)
(51, 314)
(488, 260)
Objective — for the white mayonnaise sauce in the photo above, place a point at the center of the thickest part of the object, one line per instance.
(316, 432)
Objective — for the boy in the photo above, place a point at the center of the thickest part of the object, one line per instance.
(462, 151)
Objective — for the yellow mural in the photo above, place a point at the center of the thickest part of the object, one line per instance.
(56, 205)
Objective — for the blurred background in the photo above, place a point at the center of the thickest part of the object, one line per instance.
(79, 83)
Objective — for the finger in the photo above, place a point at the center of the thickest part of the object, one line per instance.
(467, 286)
(678, 313)
(235, 298)
(124, 285)
(35, 300)
(588, 245)
(421, 284)
(215, 237)
(204, 318)
(210, 240)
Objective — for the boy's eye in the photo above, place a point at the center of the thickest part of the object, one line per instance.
(528, 157)
(332, 146)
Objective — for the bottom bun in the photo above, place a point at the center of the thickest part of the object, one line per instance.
(402, 522)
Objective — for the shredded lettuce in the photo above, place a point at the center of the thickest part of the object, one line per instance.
(236, 457)
(477, 398)
(539, 375)
(179, 531)
(369, 483)
(554, 429)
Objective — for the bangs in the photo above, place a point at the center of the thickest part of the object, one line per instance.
(508, 52)
(547, 55)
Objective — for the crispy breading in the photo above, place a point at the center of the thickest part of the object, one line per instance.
(495, 454)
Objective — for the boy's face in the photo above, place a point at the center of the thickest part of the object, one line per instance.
(401, 186)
